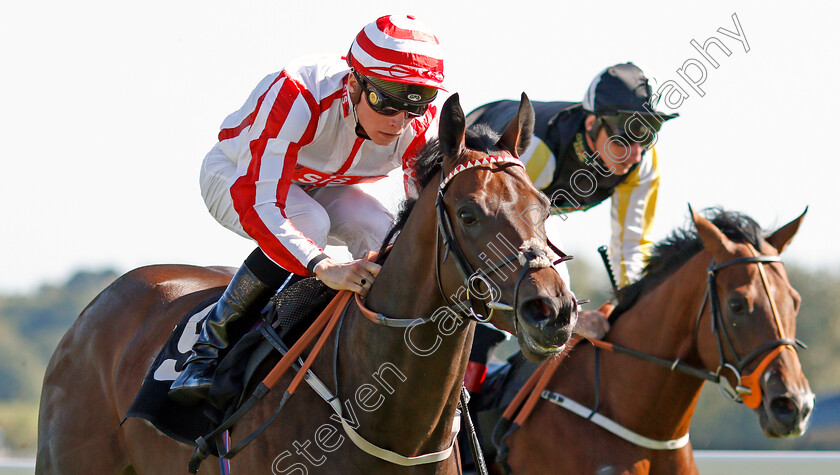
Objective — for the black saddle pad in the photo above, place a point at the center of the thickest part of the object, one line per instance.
(290, 312)
(182, 423)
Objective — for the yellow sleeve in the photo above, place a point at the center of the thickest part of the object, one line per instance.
(633, 209)
(539, 163)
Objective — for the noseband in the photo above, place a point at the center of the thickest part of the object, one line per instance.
(746, 388)
(530, 255)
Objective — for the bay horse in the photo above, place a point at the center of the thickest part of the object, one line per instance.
(715, 305)
(399, 383)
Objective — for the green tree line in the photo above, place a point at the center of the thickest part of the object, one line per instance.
(31, 325)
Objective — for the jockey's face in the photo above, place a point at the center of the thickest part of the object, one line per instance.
(382, 129)
(615, 154)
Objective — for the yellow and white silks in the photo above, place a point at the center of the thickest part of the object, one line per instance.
(633, 208)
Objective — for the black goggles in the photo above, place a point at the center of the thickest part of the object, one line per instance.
(385, 104)
(635, 128)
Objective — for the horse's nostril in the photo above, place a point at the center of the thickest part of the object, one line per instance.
(784, 408)
(537, 311)
(544, 313)
(543, 308)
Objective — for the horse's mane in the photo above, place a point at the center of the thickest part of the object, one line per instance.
(671, 253)
(427, 164)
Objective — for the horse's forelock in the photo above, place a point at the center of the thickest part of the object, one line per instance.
(429, 160)
(428, 163)
(738, 227)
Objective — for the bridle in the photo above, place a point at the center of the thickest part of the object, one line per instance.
(746, 389)
(526, 256)
(529, 256)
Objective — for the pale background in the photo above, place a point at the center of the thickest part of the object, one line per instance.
(109, 107)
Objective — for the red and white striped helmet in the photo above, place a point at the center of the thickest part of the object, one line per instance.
(399, 49)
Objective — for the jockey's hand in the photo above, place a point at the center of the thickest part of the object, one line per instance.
(356, 275)
(593, 324)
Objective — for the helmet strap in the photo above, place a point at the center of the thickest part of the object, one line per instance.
(360, 131)
(596, 127)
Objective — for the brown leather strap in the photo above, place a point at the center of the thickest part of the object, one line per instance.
(368, 313)
(769, 295)
(328, 318)
(523, 393)
(602, 345)
(534, 396)
(340, 302)
(530, 392)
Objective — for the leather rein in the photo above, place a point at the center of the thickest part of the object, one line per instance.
(332, 318)
(746, 390)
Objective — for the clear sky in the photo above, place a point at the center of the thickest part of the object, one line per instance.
(109, 107)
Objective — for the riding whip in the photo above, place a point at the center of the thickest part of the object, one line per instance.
(606, 259)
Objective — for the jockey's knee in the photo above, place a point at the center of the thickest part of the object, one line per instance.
(314, 223)
(361, 236)
(361, 225)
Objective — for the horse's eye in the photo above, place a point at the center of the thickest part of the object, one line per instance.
(467, 217)
(737, 305)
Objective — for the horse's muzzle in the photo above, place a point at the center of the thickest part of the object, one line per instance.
(786, 415)
(546, 323)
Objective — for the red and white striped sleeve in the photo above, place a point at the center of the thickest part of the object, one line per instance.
(283, 117)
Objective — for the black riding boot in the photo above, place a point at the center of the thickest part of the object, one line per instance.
(245, 291)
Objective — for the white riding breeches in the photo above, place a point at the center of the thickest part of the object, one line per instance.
(335, 215)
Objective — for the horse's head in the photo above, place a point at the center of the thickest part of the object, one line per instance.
(491, 219)
(753, 316)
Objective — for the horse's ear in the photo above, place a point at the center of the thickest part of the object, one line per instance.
(782, 237)
(713, 239)
(451, 132)
(517, 135)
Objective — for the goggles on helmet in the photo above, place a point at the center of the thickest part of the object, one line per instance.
(389, 104)
(633, 127)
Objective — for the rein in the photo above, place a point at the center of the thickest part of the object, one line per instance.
(749, 392)
(323, 326)
(332, 317)
(747, 389)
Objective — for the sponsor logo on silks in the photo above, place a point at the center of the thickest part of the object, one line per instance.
(345, 100)
(414, 97)
(313, 178)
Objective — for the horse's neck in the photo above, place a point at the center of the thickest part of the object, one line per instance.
(653, 400)
(418, 370)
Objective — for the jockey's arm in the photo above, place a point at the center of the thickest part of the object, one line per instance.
(633, 209)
